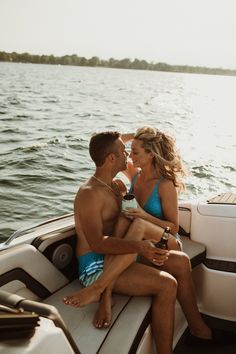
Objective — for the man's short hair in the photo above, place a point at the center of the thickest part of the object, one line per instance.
(101, 145)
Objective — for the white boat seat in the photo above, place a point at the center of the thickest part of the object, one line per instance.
(195, 250)
(23, 270)
(88, 338)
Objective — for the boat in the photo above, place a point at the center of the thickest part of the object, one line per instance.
(38, 269)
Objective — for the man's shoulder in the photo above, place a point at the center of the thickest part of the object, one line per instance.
(87, 193)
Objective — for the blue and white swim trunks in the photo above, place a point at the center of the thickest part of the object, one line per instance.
(90, 267)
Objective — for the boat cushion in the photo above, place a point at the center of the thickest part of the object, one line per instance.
(23, 268)
(195, 250)
(87, 337)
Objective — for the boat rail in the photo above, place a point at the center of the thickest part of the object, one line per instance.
(24, 231)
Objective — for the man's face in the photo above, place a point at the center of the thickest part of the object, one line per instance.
(121, 156)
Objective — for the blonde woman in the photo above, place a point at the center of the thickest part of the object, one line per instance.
(155, 175)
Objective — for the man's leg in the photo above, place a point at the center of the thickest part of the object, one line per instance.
(139, 280)
(102, 317)
(117, 264)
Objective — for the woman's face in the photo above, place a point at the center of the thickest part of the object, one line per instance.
(138, 155)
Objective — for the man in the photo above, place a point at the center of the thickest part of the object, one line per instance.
(97, 207)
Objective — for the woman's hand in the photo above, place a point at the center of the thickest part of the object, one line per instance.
(132, 213)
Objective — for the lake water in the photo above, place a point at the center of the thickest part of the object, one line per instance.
(48, 113)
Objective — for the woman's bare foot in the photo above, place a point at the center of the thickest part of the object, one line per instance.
(102, 318)
(203, 332)
(84, 297)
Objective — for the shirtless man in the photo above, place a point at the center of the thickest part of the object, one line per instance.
(97, 207)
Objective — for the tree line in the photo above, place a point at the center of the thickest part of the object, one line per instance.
(125, 63)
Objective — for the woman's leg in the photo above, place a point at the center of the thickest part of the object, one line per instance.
(138, 280)
(178, 264)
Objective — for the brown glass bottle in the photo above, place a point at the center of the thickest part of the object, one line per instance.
(163, 243)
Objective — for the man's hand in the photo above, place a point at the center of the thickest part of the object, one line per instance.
(155, 255)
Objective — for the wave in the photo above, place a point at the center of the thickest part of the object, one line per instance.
(14, 101)
(38, 146)
(10, 131)
(230, 168)
(51, 100)
(23, 116)
(202, 172)
(45, 133)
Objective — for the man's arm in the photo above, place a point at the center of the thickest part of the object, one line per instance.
(90, 215)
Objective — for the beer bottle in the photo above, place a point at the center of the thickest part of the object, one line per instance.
(163, 243)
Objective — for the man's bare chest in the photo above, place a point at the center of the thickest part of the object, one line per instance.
(110, 212)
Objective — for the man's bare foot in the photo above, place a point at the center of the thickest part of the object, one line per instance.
(84, 297)
(102, 318)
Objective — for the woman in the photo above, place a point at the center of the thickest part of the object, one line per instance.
(156, 175)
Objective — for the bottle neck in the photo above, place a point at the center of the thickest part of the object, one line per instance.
(165, 237)
(166, 233)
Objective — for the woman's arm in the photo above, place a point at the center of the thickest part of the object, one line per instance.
(121, 186)
(127, 137)
(130, 170)
(168, 196)
(169, 202)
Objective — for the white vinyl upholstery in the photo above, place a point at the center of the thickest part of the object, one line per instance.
(29, 259)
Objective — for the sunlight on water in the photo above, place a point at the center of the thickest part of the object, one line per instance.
(48, 113)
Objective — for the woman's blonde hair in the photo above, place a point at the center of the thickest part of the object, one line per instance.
(165, 154)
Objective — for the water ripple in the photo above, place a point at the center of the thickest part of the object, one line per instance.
(49, 113)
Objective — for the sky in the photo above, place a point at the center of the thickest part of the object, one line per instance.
(177, 32)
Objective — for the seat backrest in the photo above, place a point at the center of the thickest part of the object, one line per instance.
(27, 272)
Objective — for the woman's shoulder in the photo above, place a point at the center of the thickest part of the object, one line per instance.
(166, 185)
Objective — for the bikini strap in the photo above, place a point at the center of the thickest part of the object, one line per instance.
(133, 181)
(158, 183)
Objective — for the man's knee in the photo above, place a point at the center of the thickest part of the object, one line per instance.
(169, 285)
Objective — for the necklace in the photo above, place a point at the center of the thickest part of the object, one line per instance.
(104, 183)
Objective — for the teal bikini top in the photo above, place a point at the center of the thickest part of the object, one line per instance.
(153, 204)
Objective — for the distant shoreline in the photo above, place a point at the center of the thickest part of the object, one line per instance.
(125, 63)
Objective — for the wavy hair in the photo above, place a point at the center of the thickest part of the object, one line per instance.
(166, 157)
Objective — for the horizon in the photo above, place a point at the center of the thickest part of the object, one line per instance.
(102, 59)
(183, 32)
